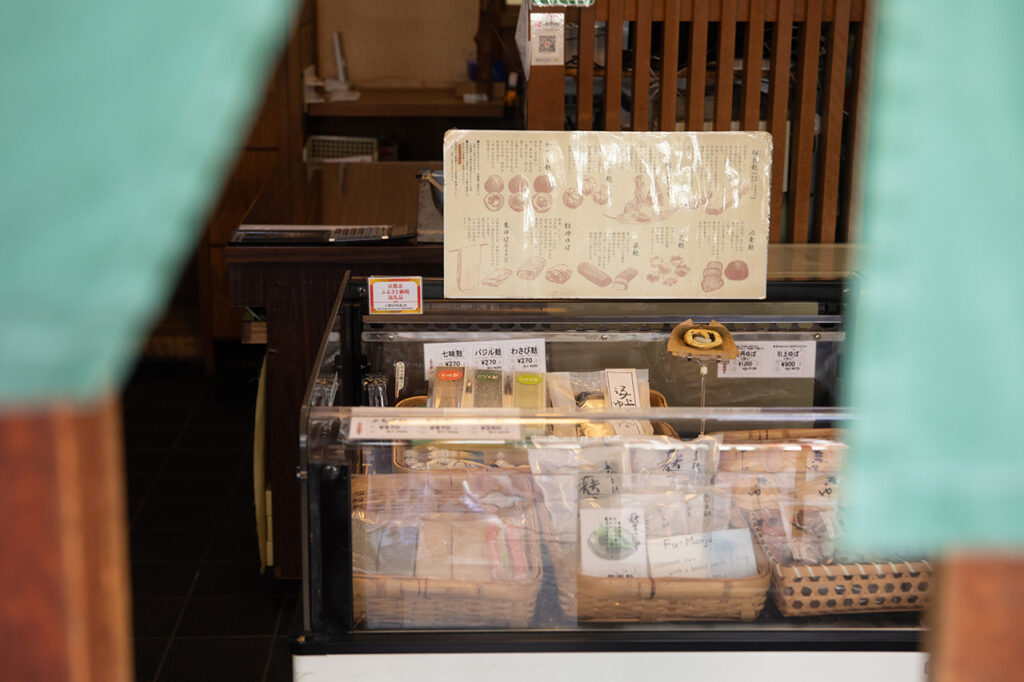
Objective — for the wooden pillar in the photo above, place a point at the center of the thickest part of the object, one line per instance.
(976, 626)
(65, 614)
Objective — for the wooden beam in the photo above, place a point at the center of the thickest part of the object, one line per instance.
(66, 612)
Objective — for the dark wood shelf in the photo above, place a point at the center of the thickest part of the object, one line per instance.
(423, 102)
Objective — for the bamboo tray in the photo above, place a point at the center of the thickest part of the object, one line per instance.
(863, 587)
(651, 600)
(383, 601)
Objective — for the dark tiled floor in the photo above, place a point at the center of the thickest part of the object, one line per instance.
(202, 610)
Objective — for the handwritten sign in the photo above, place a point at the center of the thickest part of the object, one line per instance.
(718, 554)
(771, 360)
(372, 425)
(396, 295)
(509, 355)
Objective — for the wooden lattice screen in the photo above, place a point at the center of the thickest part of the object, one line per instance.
(796, 69)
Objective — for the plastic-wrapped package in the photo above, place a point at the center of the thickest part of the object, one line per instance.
(603, 215)
(647, 547)
(445, 550)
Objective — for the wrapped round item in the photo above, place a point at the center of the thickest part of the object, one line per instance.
(737, 270)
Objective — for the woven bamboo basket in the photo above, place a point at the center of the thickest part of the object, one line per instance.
(863, 587)
(651, 600)
(770, 435)
(382, 601)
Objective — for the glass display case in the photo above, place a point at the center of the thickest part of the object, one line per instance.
(552, 476)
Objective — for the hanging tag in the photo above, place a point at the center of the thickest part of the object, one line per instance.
(547, 39)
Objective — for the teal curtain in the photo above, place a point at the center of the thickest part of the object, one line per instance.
(118, 122)
(936, 370)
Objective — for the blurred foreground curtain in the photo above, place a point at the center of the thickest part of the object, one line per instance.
(118, 121)
(938, 330)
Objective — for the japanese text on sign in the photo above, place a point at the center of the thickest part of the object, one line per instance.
(771, 359)
(510, 355)
(367, 425)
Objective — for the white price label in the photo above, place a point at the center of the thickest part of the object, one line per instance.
(517, 355)
(771, 360)
(375, 426)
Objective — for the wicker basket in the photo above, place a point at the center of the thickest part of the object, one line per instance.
(383, 601)
(773, 435)
(651, 600)
(810, 590)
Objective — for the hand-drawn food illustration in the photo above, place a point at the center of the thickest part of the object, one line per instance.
(494, 184)
(467, 265)
(494, 201)
(600, 195)
(713, 268)
(678, 266)
(559, 274)
(649, 202)
(542, 203)
(531, 268)
(668, 273)
(497, 277)
(710, 284)
(543, 183)
(737, 270)
(518, 185)
(594, 274)
(589, 183)
(711, 278)
(572, 198)
(623, 279)
(517, 202)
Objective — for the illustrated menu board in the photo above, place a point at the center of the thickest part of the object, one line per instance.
(606, 215)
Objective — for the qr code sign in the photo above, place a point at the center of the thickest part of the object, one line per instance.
(546, 43)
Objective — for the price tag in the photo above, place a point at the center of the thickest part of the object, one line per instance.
(372, 425)
(771, 360)
(396, 295)
(519, 355)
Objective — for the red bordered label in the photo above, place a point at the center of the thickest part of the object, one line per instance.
(396, 295)
(449, 374)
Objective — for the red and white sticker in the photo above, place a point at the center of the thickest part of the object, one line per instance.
(396, 295)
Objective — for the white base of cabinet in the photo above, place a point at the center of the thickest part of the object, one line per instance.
(683, 666)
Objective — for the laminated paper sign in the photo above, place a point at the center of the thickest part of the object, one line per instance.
(606, 215)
